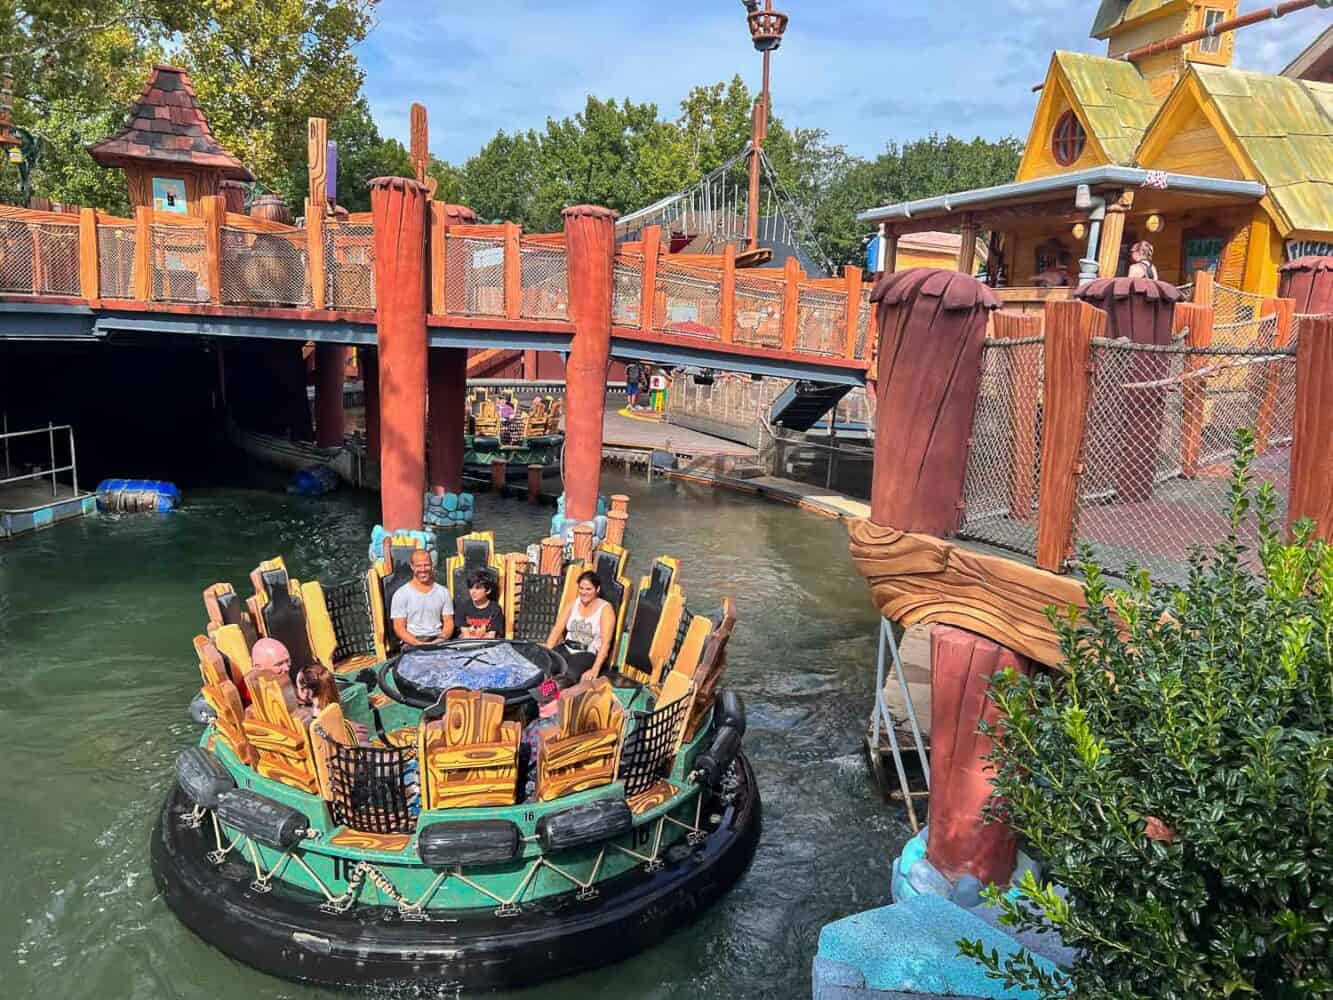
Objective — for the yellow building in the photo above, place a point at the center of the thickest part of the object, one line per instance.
(1221, 170)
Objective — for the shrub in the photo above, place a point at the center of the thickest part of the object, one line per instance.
(1175, 780)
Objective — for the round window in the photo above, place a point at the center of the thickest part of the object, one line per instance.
(1068, 139)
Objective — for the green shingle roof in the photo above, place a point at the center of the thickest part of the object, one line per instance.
(1115, 100)
(1113, 13)
(1285, 127)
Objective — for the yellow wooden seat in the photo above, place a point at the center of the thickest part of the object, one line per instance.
(385, 576)
(711, 666)
(279, 611)
(229, 719)
(280, 738)
(225, 607)
(323, 636)
(488, 419)
(654, 621)
(582, 750)
(651, 748)
(553, 415)
(475, 550)
(212, 666)
(538, 420)
(469, 755)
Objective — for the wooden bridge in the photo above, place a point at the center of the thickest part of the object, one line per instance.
(87, 274)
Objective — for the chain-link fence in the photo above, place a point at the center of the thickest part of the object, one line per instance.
(265, 269)
(39, 258)
(1003, 477)
(115, 261)
(179, 263)
(626, 290)
(821, 324)
(476, 283)
(758, 310)
(349, 265)
(544, 281)
(690, 303)
(1238, 320)
(1159, 442)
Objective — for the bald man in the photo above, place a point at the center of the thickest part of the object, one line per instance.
(272, 657)
(422, 611)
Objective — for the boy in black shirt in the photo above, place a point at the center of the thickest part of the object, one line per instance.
(478, 615)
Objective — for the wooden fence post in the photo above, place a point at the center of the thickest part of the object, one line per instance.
(1197, 321)
(143, 253)
(728, 293)
(791, 303)
(1070, 327)
(439, 278)
(1203, 288)
(852, 277)
(1024, 385)
(513, 271)
(89, 273)
(1310, 490)
(314, 234)
(652, 244)
(214, 212)
(1284, 311)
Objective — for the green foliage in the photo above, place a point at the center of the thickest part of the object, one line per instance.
(1176, 779)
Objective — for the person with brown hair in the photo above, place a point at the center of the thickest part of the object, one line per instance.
(316, 690)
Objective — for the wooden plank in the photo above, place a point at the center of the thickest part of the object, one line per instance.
(791, 303)
(1113, 235)
(234, 220)
(89, 272)
(890, 253)
(967, 247)
(728, 333)
(1197, 320)
(213, 211)
(513, 271)
(851, 276)
(143, 253)
(1285, 311)
(1070, 327)
(439, 278)
(479, 231)
(1203, 288)
(1025, 387)
(1310, 492)
(917, 578)
(317, 167)
(314, 229)
(652, 246)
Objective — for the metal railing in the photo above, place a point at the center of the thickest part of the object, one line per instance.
(50, 430)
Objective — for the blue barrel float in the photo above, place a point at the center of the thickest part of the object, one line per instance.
(135, 496)
(313, 482)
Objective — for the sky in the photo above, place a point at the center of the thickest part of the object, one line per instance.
(866, 72)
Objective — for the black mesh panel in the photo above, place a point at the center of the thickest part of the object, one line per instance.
(369, 788)
(538, 606)
(349, 611)
(648, 753)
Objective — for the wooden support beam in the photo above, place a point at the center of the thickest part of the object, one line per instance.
(439, 278)
(143, 253)
(1113, 234)
(513, 271)
(1025, 389)
(499, 475)
(728, 294)
(652, 247)
(1197, 322)
(314, 234)
(534, 483)
(1070, 327)
(1310, 491)
(890, 252)
(851, 276)
(89, 271)
(1284, 311)
(967, 247)
(214, 210)
(317, 168)
(791, 303)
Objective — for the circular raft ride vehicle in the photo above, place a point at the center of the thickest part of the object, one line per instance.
(437, 826)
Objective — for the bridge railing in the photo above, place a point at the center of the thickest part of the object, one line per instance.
(477, 271)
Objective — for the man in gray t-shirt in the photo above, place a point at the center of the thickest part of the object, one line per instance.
(422, 610)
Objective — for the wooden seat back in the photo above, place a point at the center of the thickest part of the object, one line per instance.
(225, 607)
(279, 611)
(469, 754)
(654, 621)
(711, 666)
(582, 750)
(229, 722)
(488, 419)
(280, 738)
(657, 736)
(386, 574)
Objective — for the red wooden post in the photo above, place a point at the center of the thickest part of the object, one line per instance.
(214, 212)
(398, 206)
(590, 238)
(330, 366)
(728, 293)
(314, 231)
(1310, 492)
(958, 842)
(89, 264)
(552, 556)
(499, 475)
(447, 375)
(616, 522)
(1070, 327)
(852, 279)
(513, 271)
(534, 483)
(652, 243)
(932, 325)
(1025, 386)
(791, 303)
(1308, 281)
(369, 363)
(582, 545)
(1197, 321)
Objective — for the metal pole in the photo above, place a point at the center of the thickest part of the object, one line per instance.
(73, 461)
(51, 445)
(8, 472)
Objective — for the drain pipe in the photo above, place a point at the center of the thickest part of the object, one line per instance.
(1095, 205)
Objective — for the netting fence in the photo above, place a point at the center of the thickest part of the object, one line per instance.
(1237, 316)
(544, 279)
(265, 269)
(626, 290)
(475, 267)
(115, 261)
(1003, 476)
(758, 310)
(179, 263)
(821, 325)
(39, 258)
(349, 265)
(1159, 443)
(691, 301)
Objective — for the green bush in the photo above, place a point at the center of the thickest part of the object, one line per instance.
(1176, 779)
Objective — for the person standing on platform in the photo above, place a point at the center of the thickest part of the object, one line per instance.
(422, 610)
(632, 383)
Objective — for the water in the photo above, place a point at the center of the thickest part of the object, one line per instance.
(96, 671)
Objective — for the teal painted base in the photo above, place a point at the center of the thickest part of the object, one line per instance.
(378, 534)
(448, 510)
(564, 526)
(23, 521)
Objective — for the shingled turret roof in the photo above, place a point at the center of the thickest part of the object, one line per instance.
(167, 126)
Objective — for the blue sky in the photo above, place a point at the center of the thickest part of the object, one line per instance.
(867, 72)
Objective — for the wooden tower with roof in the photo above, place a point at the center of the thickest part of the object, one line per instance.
(1126, 25)
(170, 158)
